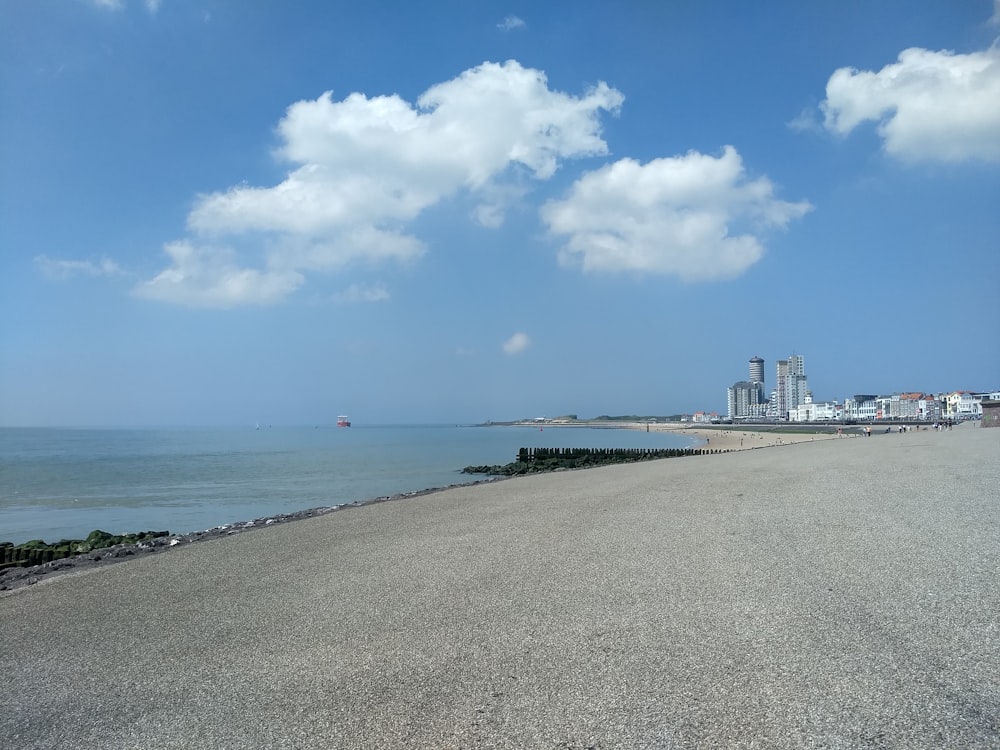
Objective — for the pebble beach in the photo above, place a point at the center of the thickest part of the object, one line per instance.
(835, 593)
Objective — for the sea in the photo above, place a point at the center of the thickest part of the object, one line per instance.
(64, 483)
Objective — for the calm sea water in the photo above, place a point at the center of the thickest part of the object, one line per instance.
(64, 483)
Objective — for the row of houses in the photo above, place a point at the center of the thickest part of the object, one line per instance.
(925, 407)
(955, 406)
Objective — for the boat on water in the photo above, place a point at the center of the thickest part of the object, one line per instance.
(343, 422)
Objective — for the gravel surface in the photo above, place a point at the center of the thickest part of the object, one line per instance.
(836, 594)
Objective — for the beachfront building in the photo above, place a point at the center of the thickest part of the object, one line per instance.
(798, 385)
(861, 407)
(772, 405)
(902, 406)
(930, 408)
(883, 407)
(744, 400)
(914, 406)
(757, 372)
(812, 411)
(780, 396)
(962, 405)
(791, 385)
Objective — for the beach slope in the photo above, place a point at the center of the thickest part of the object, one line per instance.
(837, 593)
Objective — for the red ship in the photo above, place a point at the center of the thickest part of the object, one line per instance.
(343, 422)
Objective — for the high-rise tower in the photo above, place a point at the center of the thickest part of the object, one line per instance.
(757, 378)
(792, 384)
(757, 370)
(795, 391)
(781, 383)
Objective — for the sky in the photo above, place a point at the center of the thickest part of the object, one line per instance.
(215, 212)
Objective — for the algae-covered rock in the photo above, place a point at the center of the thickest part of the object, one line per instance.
(97, 539)
(38, 551)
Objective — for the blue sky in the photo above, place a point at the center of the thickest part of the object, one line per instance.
(219, 212)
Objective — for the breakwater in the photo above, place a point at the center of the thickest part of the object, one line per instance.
(536, 460)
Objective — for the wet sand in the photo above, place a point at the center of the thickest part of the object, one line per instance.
(835, 593)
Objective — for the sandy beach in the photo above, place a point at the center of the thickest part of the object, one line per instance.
(836, 593)
(725, 438)
(741, 438)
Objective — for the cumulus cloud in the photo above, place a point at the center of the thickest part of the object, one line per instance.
(695, 216)
(516, 343)
(361, 168)
(929, 106)
(510, 23)
(375, 160)
(211, 277)
(64, 269)
(995, 18)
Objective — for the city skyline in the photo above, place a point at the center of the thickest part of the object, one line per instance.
(792, 400)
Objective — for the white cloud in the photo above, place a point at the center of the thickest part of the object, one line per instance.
(361, 293)
(495, 201)
(338, 250)
(378, 160)
(995, 18)
(695, 216)
(516, 343)
(64, 269)
(211, 277)
(362, 168)
(510, 23)
(489, 215)
(806, 121)
(929, 106)
(151, 5)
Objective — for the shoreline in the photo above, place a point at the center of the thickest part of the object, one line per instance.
(15, 579)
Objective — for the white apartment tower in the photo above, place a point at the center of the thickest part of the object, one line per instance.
(792, 384)
(780, 382)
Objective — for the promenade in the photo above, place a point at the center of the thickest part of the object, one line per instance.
(832, 594)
